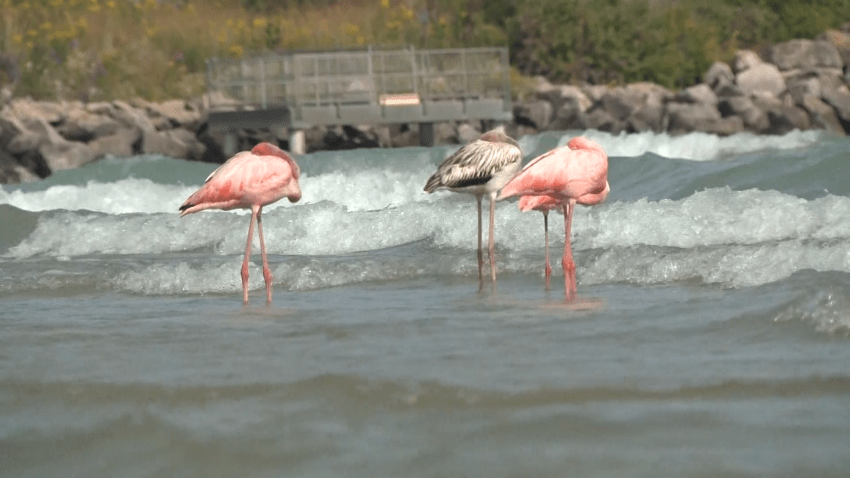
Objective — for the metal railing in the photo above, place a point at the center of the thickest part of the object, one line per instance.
(370, 79)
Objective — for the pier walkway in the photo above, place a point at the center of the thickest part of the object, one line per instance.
(372, 86)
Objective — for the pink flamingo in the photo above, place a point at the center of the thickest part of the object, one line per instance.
(543, 204)
(249, 180)
(481, 167)
(574, 174)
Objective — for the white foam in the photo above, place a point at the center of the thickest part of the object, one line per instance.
(120, 197)
(696, 146)
(731, 266)
(707, 218)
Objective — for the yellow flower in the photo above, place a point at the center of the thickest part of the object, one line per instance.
(235, 50)
(385, 3)
(351, 29)
(260, 23)
(110, 4)
(55, 3)
(18, 38)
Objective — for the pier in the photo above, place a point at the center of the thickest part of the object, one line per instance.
(371, 86)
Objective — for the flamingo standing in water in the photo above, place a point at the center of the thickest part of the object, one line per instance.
(481, 167)
(543, 204)
(249, 180)
(574, 174)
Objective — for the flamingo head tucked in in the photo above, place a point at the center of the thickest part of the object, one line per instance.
(268, 149)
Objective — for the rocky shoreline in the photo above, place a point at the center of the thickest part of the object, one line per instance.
(800, 84)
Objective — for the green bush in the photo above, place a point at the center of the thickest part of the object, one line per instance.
(155, 49)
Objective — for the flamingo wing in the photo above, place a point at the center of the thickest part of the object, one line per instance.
(474, 164)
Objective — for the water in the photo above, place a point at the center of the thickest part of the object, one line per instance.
(719, 344)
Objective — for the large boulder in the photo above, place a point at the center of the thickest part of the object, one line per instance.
(805, 54)
(700, 93)
(177, 143)
(130, 116)
(124, 142)
(754, 118)
(803, 84)
(172, 114)
(26, 109)
(599, 118)
(557, 95)
(536, 114)
(466, 133)
(822, 115)
(841, 42)
(570, 115)
(650, 116)
(782, 117)
(80, 125)
(688, 117)
(761, 79)
(621, 102)
(718, 75)
(746, 59)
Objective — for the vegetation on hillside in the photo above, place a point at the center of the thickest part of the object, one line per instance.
(155, 49)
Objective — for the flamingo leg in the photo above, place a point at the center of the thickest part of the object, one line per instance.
(547, 270)
(567, 262)
(267, 274)
(491, 237)
(248, 256)
(480, 253)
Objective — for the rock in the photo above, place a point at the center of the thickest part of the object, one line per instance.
(11, 170)
(726, 126)
(594, 92)
(783, 118)
(805, 54)
(124, 142)
(746, 59)
(466, 133)
(80, 125)
(719, 74)
(177, 143)
(761, 79)
(651, 115)
(841, 42)
(601, 119)
(697, 94)
(537, 114)
(688, 117)
(406, 138)
(569, 116)
(444, 133)
(558, 95)
(822, 115)
(27, 109)
(755, 119)
(66, 155)
(131, 117)
(173, 114)
(100, 108)
(802, 85)
(621, 102)
(840, 101)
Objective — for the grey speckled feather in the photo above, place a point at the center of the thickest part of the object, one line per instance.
(476, 163)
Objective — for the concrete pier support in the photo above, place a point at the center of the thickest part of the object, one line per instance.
(229, 146)
(297, 142)
(426, 134)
